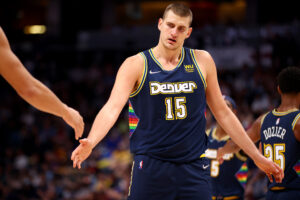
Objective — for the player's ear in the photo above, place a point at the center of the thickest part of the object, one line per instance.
(189, 32)
(279, 90)
(160, 21)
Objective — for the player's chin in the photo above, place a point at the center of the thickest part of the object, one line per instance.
(171, 46)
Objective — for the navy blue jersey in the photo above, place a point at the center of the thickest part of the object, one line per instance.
(170, 107)
(280, 145)
(225, 181)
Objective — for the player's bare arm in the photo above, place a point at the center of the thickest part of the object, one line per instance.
(32, 90)
(297, 130)
(253, 133)
(127, 79)
(228, 120)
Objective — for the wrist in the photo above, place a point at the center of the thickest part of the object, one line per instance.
(65, 111)
(91, 143)
(256, 156)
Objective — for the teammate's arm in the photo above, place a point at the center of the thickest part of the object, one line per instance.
(297, 130)
(127, 79)
(228, 120)
(32, 90)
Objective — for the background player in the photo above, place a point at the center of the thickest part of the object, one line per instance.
(168, 87)
(32, 90)
(225, 184)
(279, 132)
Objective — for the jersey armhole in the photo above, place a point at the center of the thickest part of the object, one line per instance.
(295, 121)
(134, 93)
(240, 156)
(208, 132)
(263, 118)
(192, 52)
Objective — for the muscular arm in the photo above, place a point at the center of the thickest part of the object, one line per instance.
(253, 133)
(128, 75)
(225, 117)
(228, 121)
(32, 90)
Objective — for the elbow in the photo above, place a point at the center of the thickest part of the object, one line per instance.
(27, 92)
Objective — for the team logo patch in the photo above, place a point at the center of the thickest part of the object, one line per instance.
(277, 121)
(141, 165)
(189, 68)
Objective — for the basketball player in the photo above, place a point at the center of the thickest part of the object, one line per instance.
(224, 178)
(168, 87)
(279, 133)
(32, 90)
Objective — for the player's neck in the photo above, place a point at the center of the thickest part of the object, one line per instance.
(288, 102)
(167, 55)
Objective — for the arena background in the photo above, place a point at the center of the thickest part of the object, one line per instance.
(77, 50)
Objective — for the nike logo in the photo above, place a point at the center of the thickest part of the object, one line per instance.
(205, 166)
(151, 72)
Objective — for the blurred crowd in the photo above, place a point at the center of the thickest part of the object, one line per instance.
(35, 147)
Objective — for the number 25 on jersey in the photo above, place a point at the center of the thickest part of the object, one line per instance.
(275, 153)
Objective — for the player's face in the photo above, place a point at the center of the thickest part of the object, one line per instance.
(174, 30)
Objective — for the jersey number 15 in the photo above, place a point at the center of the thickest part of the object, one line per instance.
(179, 108)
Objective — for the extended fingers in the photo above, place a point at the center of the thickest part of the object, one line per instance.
(73, 155)
(77, 162)
(270, 177)
(279, 176)
(79, 127)
(278, 173)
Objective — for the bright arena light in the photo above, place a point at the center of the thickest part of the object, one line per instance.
(35, 29)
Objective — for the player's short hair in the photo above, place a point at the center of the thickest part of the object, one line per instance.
(180, 10)
(289, 80)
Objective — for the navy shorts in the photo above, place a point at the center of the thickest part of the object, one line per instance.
(283, 194)
(154, 179)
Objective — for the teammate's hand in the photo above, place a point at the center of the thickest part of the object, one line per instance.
(81, 153)
(270, 168)
(220, 154)
(74, 119)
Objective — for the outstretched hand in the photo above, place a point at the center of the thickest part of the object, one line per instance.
(81, 153)
(74, 119)
(270, 168)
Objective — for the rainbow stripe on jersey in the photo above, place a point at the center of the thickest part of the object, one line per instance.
(241, 175)
(297, 167)
(133, 120)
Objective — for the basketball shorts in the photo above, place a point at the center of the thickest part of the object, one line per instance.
(154, 179)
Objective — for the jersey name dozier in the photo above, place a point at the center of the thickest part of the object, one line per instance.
(274, 131)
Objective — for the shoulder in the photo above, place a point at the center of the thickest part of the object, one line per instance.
(258, 122)
(296, 127)
(135, 62)
(132, 67)
(205, 62)
(202, 55)
(3, 40)
(256, 125)
(136, 59)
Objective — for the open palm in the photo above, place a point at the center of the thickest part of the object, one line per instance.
(81, 153)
